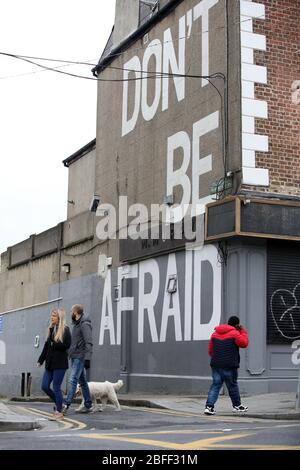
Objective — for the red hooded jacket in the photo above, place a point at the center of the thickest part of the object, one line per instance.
(224, 346)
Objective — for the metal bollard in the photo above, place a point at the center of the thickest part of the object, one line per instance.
(23, 384)
(28, 384)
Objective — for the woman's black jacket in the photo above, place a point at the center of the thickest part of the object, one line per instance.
(55, 352)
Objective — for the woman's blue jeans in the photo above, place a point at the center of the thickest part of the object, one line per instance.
(229, 376)
(78, 376)
(56, 376)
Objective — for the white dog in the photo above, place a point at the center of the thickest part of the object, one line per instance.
(104, 391)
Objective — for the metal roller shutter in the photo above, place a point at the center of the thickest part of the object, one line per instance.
(283, 291)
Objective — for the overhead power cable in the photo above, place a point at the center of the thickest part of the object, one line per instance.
(30, 59)
(143, 74)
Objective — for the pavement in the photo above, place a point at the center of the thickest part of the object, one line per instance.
(11, 420)
(277, 406)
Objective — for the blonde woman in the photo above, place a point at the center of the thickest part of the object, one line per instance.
(55, 356)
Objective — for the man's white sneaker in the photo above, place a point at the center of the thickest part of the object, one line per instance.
(240, 408)
(209, 410)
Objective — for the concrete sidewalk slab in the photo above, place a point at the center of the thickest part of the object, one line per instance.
(12, 421)
(268, 406)
(277, 406)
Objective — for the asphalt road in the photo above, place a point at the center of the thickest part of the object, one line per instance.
(136, 428)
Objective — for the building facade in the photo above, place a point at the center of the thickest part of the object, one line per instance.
(198, 108)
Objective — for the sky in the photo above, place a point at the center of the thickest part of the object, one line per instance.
(45, 116)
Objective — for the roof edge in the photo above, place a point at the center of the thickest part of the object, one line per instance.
(163, 12)
(80, 153)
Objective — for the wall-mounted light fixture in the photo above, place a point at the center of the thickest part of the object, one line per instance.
(66, 268)
(116, 293)
(94, 203)
(172, 284)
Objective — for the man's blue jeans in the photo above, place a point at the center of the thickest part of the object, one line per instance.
(78, 376)
(229, 376)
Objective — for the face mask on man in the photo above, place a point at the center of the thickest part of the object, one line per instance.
(73, 316)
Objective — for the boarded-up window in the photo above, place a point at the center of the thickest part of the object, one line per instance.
(283, 288)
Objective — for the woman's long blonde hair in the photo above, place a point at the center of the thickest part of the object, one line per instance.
(59, 335)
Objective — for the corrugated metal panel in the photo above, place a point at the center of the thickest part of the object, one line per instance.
(283, 290)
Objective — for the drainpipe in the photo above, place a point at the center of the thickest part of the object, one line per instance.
(126, 291)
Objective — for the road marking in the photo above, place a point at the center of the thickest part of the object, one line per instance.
(150, 433)
(193, 445)
(145, 442)
(67, 422)
(56, 436)
(216, 442)
(258, 447)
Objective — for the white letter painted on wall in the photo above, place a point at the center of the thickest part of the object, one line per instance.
(148, 300)
(188, 295)
(154, 49)
(202, 331)
(125, 304)
(296, 354)
(2, 352)
(176, 67)
(179, 177)
(201, 165)
(202, 10)
(174, 310)
(107, 320)
(128, 124)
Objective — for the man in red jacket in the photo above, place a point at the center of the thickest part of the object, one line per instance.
(223, 348)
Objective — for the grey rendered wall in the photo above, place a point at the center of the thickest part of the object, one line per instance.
(164, 337)
(18, 335)
(171, 366)
(234, 155)
(81, 184)
(28, 284)
(126, 20)
(264, 368)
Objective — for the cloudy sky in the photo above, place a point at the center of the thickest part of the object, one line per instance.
(44, 116)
